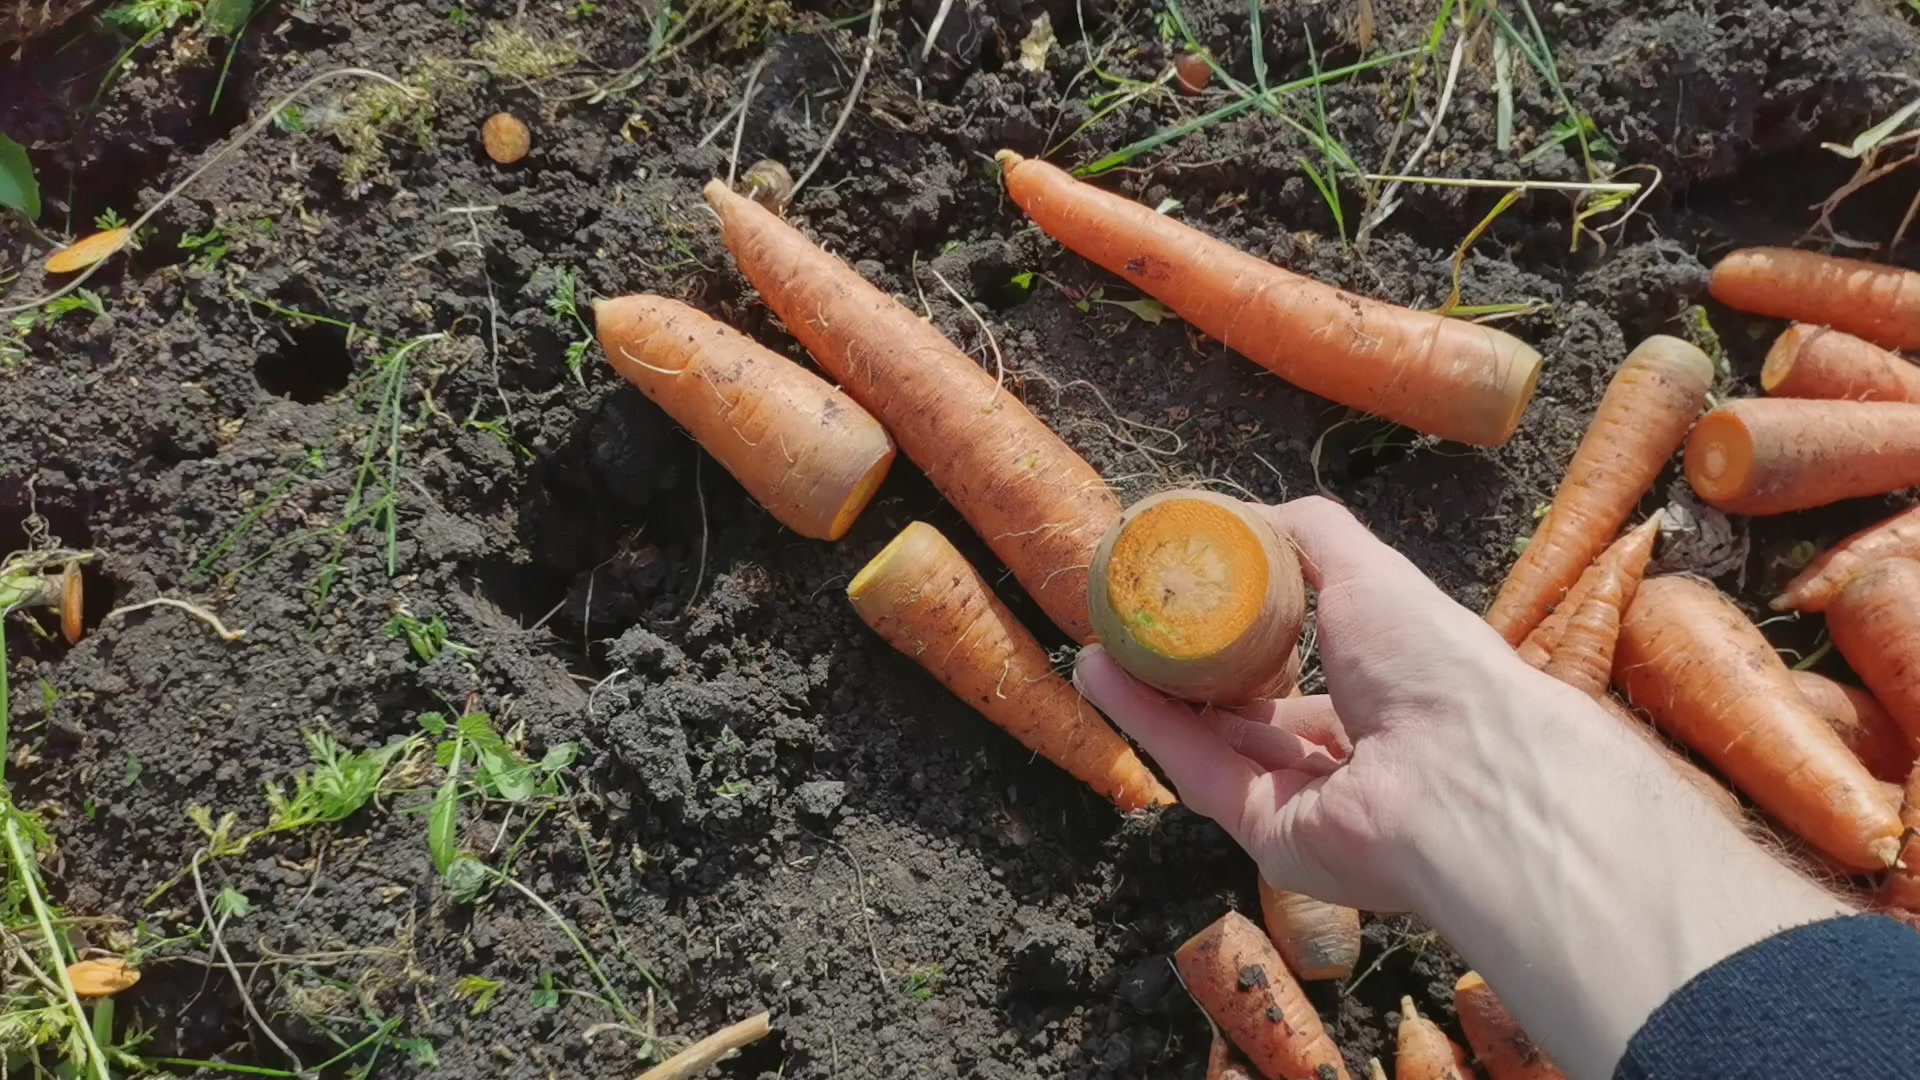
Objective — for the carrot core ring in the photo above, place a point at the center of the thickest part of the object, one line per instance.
(1720, 456)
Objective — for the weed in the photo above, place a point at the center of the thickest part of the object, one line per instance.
(925, 982)
(1698, 328)
(478, 991)
(208, 248)
(545, 995)
(291, 119)
(231, 903)
(339, 784)
(426, 639)
(564, 303)
(373, 114)
(108, 219)
(513, 51)
(732, 789)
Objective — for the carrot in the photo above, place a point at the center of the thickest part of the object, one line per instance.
(1422, 1051)
(1861, 722)
(1196, 595)
(1901, 890)
(1233, 972)
(1445, 377)
(1038, 505)
(922, 596)
(1876, 302)
(88, 250)
(1223, 1061)
(1624, 561)
(1692, 659)
(1875, 623)
(1318, 940)
(1818, 362)
(1583, 651)
(1656, 394)
(1499, 1044)
(1815, 584)
(1774, 455)
(800, 447)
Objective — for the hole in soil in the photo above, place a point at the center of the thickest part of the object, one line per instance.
(310, 366)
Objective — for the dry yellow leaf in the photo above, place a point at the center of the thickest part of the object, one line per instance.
(101, 978)
(86, 252)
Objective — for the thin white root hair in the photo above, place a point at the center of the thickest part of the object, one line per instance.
(853, 98)
(226, 958)
(650, 367)
(999, 362)
(192, 609)
(740, 129)
(933, 28)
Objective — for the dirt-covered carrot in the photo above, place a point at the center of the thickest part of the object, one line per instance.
(1815, 584)
(924, 597)
(1232, 970)
(1901, 890)
(1223, 1061)
(1820, 362)
(1499, 1044)
(1445, 377)
(1656, 394)
(1038, 505)
(1875, 623)
(1422, 1051)
(1318, 940)
(1870, 300)
(803, 449)
(1195, 594)
(1775, 455)
(1709, 678)
(1861, 722)
(1623, 563)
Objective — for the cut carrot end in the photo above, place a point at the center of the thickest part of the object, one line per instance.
(1187, 578)
(1887, 850)
(86, 252)
(882, 564)
(1781, 358)
(72, 603)
(1407, 1011)
(860, 496)
(1719, 456)
(1470, 981)
(1522, 399)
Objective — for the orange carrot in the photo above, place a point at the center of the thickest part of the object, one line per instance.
(1318, 940)
(1875, 623)
(1445, 377)
(1876, 302)
(1223, 1061)
(924, 598)
(801, 448)
(1198, 596)
(1861, 722)
(1422, 1051)
(1691, 658)
(1233, 972)
(1773, 455)
(1654, 397)
(1815, 584)
(1818, 362)
(1901, 890)
(1625, 561)
(1499, 1044)
(88, 250)
(1038, 505)
(1583, 653)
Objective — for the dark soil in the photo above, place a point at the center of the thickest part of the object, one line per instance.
(771, 809)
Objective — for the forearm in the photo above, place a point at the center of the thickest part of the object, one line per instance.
(1593, 882)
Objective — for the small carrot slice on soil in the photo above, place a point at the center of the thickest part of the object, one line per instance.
(1775, 455)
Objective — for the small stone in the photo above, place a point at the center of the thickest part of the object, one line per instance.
(820, 798)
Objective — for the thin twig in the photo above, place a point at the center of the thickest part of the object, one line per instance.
(697, 1058)
(1389, 199)
(700, 495)
(933, 28)
(24, 865)
(853, 97)
(866, 917)
(194, 610)
(220, 947)
(740, 130)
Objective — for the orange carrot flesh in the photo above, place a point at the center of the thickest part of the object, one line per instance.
(1318, 940)
(1775, 455)
(1038, 505)
(1901, 890)
(1875, 623)
(1499, 1044)
(1815, 584)
(801, 448)
(1861, 722)
(1656, 394)
(1625, 562)
(1196, 595)
(1870, 300)
(1818, 362)
(1709, 678)
(926, 600)
(1233, 972)
(1421, 1050)
(1445, 377)
(73, 595)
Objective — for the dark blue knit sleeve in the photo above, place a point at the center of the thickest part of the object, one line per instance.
(1839, 998)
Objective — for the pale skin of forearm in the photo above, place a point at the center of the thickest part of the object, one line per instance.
(1556, 851)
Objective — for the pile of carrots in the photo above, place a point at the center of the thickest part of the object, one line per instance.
(1831, 764)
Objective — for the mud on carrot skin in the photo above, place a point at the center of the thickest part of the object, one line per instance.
(927, 601)
(1445, 377)
(1233, 972)
(1499, 1044)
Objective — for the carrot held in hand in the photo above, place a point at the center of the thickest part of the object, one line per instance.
(924, 598)
(801, 448)
(1861, 722)
(1875, 623)
(1708, 676)
(1318, 940)
(1656, 394)
(1196, 595)
(1775, 455)
(1233, 972)
(1815, 584)
(1441, 376)
(1499, 1044)
(1877, 302)
(1622, 565)
(1422, 1051)
(1819, 362)
(1036, 503)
